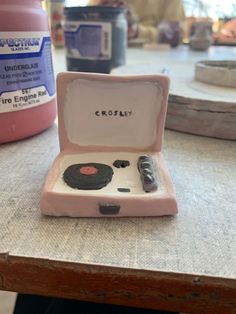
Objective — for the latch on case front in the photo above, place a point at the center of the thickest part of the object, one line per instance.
(109, 209)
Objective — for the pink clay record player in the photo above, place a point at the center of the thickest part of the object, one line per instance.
(110, 162)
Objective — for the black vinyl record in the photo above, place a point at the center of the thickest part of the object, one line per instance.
(89, 176)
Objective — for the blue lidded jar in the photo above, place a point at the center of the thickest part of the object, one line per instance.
(95, 38)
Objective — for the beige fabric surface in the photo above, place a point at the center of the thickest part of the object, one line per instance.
(199, 240)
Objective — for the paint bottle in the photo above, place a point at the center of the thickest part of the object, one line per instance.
(95, 38)
(27, 87)
(55, 9)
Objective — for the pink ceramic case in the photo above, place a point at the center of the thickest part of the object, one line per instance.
(103, 118)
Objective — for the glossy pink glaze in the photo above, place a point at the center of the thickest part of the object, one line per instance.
(24, 16)
(63, 204)
(74, 205)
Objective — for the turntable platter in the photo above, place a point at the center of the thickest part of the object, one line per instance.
(89, 176)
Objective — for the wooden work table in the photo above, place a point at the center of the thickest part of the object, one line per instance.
(182, 263)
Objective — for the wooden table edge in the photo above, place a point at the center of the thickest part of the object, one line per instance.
(114, 285)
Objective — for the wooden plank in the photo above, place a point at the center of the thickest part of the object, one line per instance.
(130, 287)
(185, 116)
(194, 107)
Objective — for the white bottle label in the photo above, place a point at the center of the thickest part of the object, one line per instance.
(26, 71)
(88, 40)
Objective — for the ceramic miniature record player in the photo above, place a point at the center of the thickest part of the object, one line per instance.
(110, 161)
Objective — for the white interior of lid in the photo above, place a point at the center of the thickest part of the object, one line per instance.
(112, 114)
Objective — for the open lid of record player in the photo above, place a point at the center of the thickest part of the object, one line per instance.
(100, 112)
